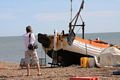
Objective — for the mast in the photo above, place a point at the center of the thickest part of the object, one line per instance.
(71, 11)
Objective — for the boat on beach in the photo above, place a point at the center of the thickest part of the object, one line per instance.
(67, 48)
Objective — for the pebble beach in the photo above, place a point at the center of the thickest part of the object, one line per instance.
(12, 71)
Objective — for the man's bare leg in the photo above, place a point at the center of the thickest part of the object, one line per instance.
(38, 69)
(28, 70)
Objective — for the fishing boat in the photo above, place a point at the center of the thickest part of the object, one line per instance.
(68, 48)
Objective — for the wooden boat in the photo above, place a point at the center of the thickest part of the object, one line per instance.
(67, 48)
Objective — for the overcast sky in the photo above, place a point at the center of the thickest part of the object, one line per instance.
(47, 15)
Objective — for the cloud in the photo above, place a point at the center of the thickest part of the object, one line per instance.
(103, 13)
(7, 16)
(51, 17)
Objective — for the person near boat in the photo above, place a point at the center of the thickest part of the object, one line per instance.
(29, 38)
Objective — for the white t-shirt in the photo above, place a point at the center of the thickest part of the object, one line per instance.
(26, 40)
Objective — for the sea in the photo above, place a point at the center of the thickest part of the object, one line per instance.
(12, 47)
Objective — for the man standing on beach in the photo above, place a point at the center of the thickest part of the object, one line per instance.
(29, 38)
